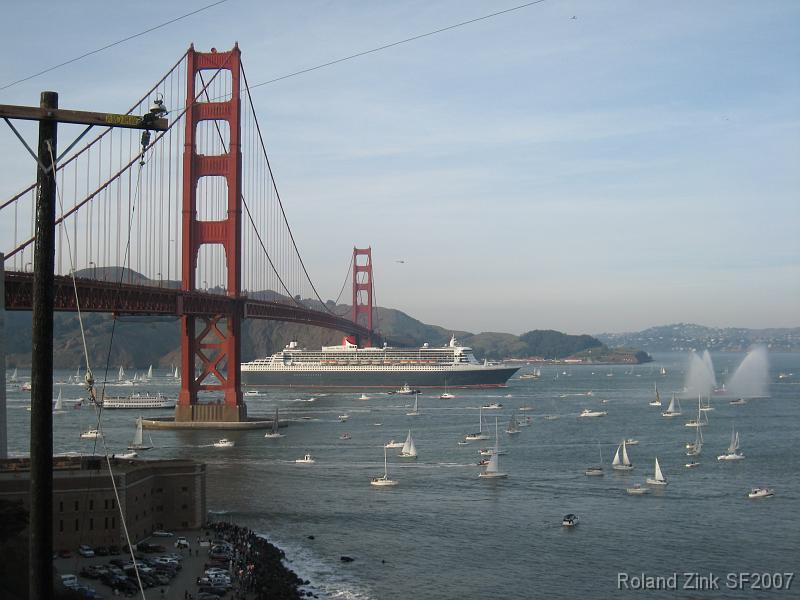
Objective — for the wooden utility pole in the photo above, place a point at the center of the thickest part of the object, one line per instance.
(40, 583)
(40, 574)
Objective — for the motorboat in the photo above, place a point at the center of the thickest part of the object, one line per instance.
(483, 462)
(632, 442)
(570, 520)
(738, 402)
(346, 436)
(586, 412)
(692, 464)
(758, 492)
(492, 406)
(393, 444)
(637, 490)
(363, 397)
(91, 434)
(224, 443)
(405, 390)
(343, 418)
(446, 396)
(490, 451)
(306, 460)
(251, 393)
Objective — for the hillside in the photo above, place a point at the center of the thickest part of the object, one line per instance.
(681, 337)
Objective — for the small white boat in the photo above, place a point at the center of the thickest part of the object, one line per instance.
(274, 433)
(658, 478)
(758, 492)
(138, 438)
(409, 450)
(91, 434)
(383, 480)
(525, 408)
(592, 413)
(489, 451)
(363, 397)
(26, 386)
(251, 393)
(414, 411)
(393, 444)
(632, 442)
(405, 390)
(343, 418)
(570, 520)
(637, 490)
(657, 400)
(663, 371)
(446, 396)
(346, 436)
(524, 422)
(492, 470)
(674, 408)
(513, 425)
(306, 460)
(733, 448)
(125, 455)
(224, 443)
(621, 461)
(737, 402)
(692, 464)
(479, 435)
(596, 471)
(492, 406)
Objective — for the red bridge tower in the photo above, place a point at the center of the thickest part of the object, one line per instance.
(362, 288)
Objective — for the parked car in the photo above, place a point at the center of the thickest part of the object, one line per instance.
(70, 581)
(159, 533)
(85, 551)
(181, 542)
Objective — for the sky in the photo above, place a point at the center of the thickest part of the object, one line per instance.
(633, 166)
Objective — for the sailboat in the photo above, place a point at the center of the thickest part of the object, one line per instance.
(705, 407)
(479, 435)
(657, 400)
(733, 448)
(409, 450)
(383, 480)
(13, 378)
(59, 405)
(273, 433)
(674, 408)
(445, 395)
(492, 470)
(596, 471)
(177, 374)
(150, 372)
(624, 464)
(663, 371)
(513, 426)
(694, 448)
(658, 478)
(138, 438)
(702, 418)
(121, 374)
(415, 411)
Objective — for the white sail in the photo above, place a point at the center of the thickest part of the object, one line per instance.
(409, 449)
(78, 373)
(736, 442)
(275, 422)
(513, 426)
(176, 375)
(616, 460)
(659, 474)
(150, 372)
(14, 376)
(121, 374)
(625, 460)
(671, 407)
(138, 436)
(493, 466)
(59, 403)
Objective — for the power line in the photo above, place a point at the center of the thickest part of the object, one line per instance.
(111, 45)
(392, 44)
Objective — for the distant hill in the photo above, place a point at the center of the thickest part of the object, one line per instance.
(688, 336)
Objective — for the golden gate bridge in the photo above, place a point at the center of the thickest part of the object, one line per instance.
(190, 224)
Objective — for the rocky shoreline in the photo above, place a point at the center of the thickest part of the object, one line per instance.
(257, 566)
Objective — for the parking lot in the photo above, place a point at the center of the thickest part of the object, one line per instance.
(166, 571)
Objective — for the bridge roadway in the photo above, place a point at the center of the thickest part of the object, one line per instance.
(129, 299)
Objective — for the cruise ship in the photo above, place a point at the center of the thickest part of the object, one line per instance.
(348, 366)
(139, 401)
